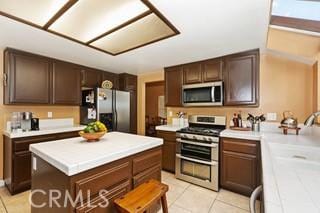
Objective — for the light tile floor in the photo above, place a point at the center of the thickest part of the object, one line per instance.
(182, 197)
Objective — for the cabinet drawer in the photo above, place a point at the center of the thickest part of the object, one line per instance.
(103, 179)
(68, 135)
(167, 136)
(22, 144)
(152, 173)
(147, 160)
(97, 204)
(241, 146)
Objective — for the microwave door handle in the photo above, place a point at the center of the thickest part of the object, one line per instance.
(212, 94)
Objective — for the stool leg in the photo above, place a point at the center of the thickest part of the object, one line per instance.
(164, 203)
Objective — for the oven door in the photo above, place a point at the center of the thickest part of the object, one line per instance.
(199, 172)
(206, 94)
(197, 150)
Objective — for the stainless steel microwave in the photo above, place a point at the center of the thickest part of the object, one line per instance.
(205, 94)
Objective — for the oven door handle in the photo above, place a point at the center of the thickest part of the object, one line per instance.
(211, 163)
(195, 143)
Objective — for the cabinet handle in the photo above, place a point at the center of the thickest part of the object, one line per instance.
(5, 79)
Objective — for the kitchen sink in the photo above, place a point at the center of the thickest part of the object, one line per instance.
(295, 153)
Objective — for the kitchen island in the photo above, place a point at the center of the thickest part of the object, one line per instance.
(73, 175)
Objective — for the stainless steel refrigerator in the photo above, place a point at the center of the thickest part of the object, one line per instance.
(112, 107)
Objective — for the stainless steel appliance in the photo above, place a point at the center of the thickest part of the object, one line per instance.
(205, 94)
(26, 121)
(197, 158)
(111, 107)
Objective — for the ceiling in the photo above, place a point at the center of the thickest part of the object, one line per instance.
(209, 28)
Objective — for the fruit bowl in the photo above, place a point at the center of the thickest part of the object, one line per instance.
(92, 137)
(93, 131)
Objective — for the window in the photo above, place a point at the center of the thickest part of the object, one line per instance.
(299, 14)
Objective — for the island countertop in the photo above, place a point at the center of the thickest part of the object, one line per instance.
(75, 155)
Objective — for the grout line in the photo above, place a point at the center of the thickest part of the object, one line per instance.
(232, 205)
(213, 203)
(4, 206)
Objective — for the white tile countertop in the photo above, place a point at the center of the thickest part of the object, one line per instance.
(291, 168)
(47, 126)
(75, 155)
(43, 131)
(169, 127)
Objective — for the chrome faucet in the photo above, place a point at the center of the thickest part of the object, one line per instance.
(311, 120)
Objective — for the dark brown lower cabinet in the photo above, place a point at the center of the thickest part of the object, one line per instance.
(17, 159)
(117, 178)
(240, 165)
(168, 150)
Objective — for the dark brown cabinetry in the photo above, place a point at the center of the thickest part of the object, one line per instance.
(128, 82)
(118, 178)
(239, 73)
(168, 150)
(192, 73)
(212, 70)
(173, 86)
(90, 78)
(241, 79)
(66, 84)
(240, 165)
(26, 78)
(17, 159)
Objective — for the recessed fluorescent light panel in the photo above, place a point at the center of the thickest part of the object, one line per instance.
(112, 26)
(37, 12)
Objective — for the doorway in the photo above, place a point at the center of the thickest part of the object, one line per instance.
(156, 113)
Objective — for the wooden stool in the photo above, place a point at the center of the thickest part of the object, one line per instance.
(143, 197)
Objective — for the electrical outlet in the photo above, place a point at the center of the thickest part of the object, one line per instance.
(271, 116)
(49, 114)
(170, 113)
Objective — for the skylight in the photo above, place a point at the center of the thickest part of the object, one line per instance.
(112, 26)
(301, 14)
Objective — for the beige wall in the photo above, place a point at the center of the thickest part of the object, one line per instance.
(284, 85)
(142, 80)
(40, 111)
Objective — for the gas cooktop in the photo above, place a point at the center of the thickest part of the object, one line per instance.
(201, 131)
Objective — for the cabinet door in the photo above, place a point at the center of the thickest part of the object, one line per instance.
(21, 171)
(28, 79)
(111, 77)
(241, 79)
(173, 86)
(90, 78)
(104, 203)
(169, 156)
(212, 70)
(152, 173)
(66, 84)
(128, 82)
(192, 73)
(239, 172)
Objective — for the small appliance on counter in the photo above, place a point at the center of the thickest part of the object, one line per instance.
(289, 122)
(35, 124)
(26, 121)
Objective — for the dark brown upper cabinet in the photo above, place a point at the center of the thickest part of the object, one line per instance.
(192, 73)
(212, 70)
(66, 84)
(91, 78)
(241, 79)
(173, 86)
(26, 78)
(114, 78)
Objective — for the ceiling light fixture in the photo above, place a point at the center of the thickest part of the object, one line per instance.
(111, 26)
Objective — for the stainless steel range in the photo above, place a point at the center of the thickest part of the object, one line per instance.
(197, 158)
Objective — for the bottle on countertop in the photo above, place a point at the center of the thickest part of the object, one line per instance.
(235, 120)
(240, 120)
